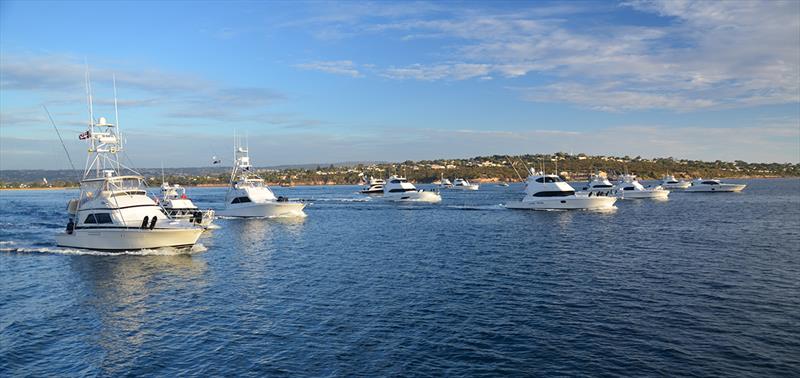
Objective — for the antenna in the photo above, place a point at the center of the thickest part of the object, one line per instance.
(116, 116)
(162, 172)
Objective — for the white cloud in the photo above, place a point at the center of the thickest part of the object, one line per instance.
(707, 54)
(454, 71)
(338, 67)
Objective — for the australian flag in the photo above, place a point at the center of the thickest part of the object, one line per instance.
(85, 135)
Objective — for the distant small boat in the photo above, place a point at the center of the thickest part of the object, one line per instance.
(373, 185)
(599, 185)
(669, 182)
(400, 190)
(445, 183)
(463, 184)
(629, 187)
(249, 196)
(502, 183)
(701, 185)
(179, 206)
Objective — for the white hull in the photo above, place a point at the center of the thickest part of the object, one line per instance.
(717, 188)
(564, 203)
(268, 209)
(129, 239)
(644, 194)
(427, 197)
(683, 185)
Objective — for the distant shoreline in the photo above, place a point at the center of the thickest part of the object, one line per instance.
(277, 185)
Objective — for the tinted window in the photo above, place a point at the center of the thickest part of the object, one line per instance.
(629, 188)
(401, 190)
(710, 183)
(548, 179)
(98, 218)
(241, 200)
(602, 186)
(554, 194)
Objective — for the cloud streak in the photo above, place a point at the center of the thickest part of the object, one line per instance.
(706, 55)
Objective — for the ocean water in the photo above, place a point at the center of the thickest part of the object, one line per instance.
(699, 285)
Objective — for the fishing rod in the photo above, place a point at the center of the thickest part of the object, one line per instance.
(62, 141)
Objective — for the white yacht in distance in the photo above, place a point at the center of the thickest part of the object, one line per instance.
(373, 185)
(599, 184)
(445, 183)
(179, 206)
(701, 185)
(669, 182)
(463, 184)
(113, 212)
(248, 196)
(629, 187)
(549, 192)
(399, 189)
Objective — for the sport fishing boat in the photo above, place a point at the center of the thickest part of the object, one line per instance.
(113, 212)
(373, 185)
(179, 206)
(669, 182)
(629, 187)
(445, 183)
(701, 185)
(248, 196)
(399, 189)
(599, 185)
(463, 184)
(549, 192)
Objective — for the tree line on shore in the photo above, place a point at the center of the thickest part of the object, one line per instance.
(480, 169)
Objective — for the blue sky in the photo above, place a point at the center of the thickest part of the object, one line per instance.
(322, 82)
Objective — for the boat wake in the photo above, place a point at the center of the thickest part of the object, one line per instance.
(478, 207)
(167, 251)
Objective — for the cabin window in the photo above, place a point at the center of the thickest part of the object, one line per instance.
(547, 179)
(241, 200)
(555, 193)
(397, 181)
(98, 218)
(602, 186)
(710, 183)
(401, 190)
(629, 188)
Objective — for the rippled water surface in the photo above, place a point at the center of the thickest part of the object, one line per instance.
(702, 284)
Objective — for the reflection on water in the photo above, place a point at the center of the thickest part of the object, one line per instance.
(120, 292)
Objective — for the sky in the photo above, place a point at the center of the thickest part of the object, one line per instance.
(325, 82)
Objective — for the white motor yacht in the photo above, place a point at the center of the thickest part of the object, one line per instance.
(549, 192)
(463, 184)
(629, 187)
(373, 185)
(445, 183)
(179, 206)
(248, 196)
(669, 182)
(399, 189)
(599, 185)
(114, 212)
(701, 185)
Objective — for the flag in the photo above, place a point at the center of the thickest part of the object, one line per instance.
(85, 135)
(214, 160)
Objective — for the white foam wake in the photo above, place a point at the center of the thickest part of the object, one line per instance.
(167, 251)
